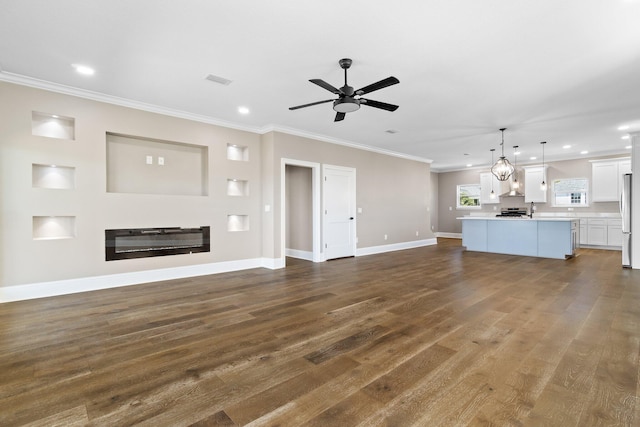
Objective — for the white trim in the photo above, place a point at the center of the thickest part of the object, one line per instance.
(273, 263)
(371, 250)
(85, 284)
(449, 235)
(295, 253)
(315, 206)
(114, 100)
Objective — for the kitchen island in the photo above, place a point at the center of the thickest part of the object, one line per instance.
(538, 237)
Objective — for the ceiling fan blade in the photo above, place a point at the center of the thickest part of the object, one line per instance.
(309, 105)
(378, 85)
(378, 104)
(326, 86)
(339, 117)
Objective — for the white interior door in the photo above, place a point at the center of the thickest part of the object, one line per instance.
(339, 200)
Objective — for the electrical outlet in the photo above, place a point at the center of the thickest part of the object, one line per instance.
(417, 233)
(450, 208)
(385, 237)
(161, 161)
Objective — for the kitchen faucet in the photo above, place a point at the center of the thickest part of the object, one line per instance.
(531, 210)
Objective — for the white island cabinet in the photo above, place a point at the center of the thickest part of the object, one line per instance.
(538, 237)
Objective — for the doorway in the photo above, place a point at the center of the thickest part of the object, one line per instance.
(300, 207)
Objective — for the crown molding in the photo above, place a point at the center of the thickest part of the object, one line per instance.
(124, 102)
(305, 134)
(115, 100)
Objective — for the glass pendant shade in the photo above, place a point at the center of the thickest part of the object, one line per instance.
(502, 169)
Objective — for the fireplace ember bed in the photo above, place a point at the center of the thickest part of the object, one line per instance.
(131, 243)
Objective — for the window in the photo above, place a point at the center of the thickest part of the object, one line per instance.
(570, 192)
(468, 196)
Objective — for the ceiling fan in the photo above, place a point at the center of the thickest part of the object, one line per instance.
(348, 99)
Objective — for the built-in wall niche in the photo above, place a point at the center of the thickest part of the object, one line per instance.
(238, 222)
(54, 227)
(53, 176)
(237, 187)
(150, 166)
(52, 125)
(237, 152)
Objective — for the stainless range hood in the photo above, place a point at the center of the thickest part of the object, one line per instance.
(512, 193)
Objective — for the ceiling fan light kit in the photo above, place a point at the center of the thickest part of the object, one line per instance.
(349, 100)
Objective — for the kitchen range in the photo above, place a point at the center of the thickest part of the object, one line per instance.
(513, 213)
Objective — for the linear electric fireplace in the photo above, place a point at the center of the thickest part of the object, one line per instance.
(149, 242)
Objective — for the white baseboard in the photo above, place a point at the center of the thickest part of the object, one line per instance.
(85, 284)
(449, 235)
(295, 253)
(395, 247)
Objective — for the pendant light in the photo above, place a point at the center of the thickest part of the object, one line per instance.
(543, 185)
(516, 183)
(502, 169)
(492, 195)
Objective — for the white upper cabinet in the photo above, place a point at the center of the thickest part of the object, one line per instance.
(606, 178)
(533, 177)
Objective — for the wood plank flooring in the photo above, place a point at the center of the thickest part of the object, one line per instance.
(432, 336)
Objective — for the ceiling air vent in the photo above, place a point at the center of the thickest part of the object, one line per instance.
(217, 79)
(391, 131)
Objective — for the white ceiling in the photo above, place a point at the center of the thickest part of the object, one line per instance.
(565, 72)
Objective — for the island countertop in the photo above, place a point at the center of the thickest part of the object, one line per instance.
(520, 218)
(547, 237)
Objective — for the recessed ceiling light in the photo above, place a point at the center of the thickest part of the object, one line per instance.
(516, 153)
(566, 146)
(469, 165)
(532, 158)
(84, 69)
(243, 110)
(623, 127)
(584, 152)
(625, 137)
(55, 116)
(628, 147)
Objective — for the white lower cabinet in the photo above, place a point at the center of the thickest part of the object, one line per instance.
(597, 232)
(601, 232)
(614, 232)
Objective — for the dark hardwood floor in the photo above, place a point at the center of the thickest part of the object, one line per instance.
(426, 337)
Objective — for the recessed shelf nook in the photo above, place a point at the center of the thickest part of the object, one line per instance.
(237, 222)
(54, 227)
(52, 125)
(53, 177)
(237, 152)
(237, 187)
